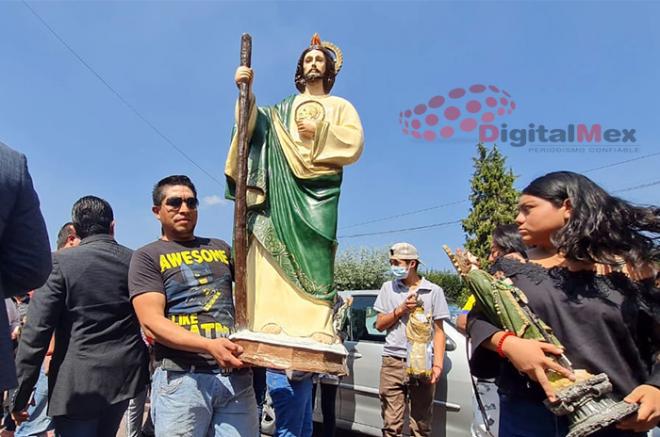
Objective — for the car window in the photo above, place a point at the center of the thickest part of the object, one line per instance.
(361, 320)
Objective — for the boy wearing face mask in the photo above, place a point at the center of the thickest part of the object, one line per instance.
(396, 300)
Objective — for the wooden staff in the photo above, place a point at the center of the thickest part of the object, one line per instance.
(240, 203)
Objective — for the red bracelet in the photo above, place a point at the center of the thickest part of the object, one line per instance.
(501, 342)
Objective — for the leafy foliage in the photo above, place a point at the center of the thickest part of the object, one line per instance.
(455, 292)
(368, 269)
(494, 200)
(361, 269)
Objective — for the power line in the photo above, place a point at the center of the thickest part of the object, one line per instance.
(621, 162)
(119, 96)
(458, 202)
(636, 187)
(435, 225)
(394, 231)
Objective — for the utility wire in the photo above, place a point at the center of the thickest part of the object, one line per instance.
(637, 187)
(614, 164)
(119, 96)
(458, 202)
(394, 231)
(436, 225)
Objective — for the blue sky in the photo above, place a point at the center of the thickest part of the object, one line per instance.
(562, 62)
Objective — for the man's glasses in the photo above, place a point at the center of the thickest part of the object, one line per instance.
(176, 202)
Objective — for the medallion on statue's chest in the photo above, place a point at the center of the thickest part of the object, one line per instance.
(310, 110)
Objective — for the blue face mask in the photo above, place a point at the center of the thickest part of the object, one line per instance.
(399, 272)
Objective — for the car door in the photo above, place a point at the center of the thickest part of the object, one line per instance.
(358, 391)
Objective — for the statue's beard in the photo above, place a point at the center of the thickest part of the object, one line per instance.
(312, 76)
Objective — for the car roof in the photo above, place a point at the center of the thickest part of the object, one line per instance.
(359, 293)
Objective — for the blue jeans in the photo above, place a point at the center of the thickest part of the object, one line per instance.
(203, 404)
(524, 418)
(39, 422)
(105, 424)
(292, 401)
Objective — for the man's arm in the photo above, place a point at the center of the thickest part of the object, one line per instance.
(439, 344)
(385, 321)
(150, 309)
(24, 247)
(43, 316)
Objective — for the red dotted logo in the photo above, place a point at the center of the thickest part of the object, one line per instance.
(461, 110)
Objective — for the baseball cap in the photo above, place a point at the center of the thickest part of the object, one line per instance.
(403, 251)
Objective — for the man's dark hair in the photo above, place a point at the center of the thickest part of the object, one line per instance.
(157, 194)
(328, 76)
(91, 215)
(65, 232)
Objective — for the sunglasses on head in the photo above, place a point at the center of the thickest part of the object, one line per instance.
(176, 202)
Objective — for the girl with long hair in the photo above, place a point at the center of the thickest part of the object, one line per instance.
(591, 277)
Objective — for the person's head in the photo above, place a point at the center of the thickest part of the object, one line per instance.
(315, 63)
(570, 213)
(67, 237)
(92, 215)
(506, 240)
(175, 206)
(404, 259)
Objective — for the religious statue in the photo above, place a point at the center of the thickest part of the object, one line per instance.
(419, 333)
(297, 149)
(588, 400)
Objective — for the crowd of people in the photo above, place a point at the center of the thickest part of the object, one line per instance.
(107, 327)
(100, 313)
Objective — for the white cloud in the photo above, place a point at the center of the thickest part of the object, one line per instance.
(213, 200)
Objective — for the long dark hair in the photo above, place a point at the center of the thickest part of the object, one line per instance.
(602, 228)
(508, 239)
(328, 77)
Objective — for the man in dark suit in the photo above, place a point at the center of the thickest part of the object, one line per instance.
(24, 249)
(99, 361)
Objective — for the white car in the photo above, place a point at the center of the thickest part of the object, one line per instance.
(358, 405)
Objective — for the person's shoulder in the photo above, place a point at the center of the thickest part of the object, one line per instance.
(150, 250)
(430, 285)
(213, 242)
(12, 164)
(511, 265)
(8, 154)
(387, 287)
(156, 244)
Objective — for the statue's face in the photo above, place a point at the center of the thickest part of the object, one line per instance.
(314, 65)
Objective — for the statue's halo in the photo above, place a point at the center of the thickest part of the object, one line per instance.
(339, 57)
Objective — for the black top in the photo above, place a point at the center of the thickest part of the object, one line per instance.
(196, 278)
(607, 323)
(99, 358)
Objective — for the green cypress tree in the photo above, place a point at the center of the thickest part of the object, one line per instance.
(494, 200)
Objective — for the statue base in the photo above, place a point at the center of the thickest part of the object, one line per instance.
(278, 351)
(590, 406)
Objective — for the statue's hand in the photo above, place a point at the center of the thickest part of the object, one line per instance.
(244, 75)
(306, 129)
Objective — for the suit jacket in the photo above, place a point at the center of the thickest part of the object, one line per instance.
(24, 249)
(99, 358)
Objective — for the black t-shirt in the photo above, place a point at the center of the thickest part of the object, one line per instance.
(196, 279)
(607, 323)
